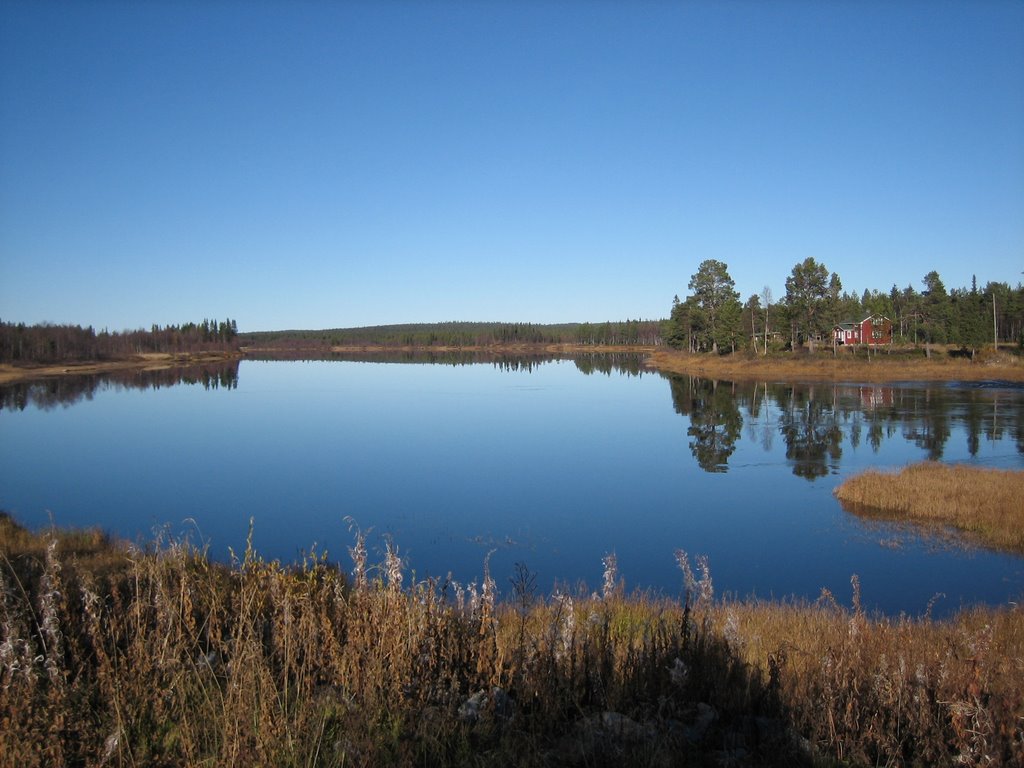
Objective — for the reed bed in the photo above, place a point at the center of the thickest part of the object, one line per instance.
(987, 504)
(112, 655)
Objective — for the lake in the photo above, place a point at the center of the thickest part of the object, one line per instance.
(552, 463)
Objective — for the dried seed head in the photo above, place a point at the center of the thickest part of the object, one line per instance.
(705, 590)
(488, 587)
(358, 555)
(567, 624)
(689, 583)
(611, 575)
(392, 566)
(732, 632)
(49, 608)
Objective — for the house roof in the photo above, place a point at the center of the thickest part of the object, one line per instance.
(849, 325)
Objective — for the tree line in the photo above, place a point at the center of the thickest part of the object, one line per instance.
(463, 334)
(710, 319)
(48, 343)
(713, 319)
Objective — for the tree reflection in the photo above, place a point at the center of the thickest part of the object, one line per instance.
(1017, 419)
(927, 423)
(974, 422)
(628, 363)
(66, 390)
(811, 431)
(715, 420)
(754, 396)
(815, 419)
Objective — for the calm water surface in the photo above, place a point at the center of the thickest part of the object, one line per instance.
(551, 463)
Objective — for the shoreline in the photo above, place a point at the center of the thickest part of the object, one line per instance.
(186, 661)
(822, 366)
(152, 361)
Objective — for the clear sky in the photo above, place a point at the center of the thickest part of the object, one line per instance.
(325, 164)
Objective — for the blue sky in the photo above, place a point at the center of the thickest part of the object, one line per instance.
(318, 164)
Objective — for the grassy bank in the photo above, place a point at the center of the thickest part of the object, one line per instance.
(987, 504)
(944, 364)
(147, 362)
(848, 365)
(111, 655)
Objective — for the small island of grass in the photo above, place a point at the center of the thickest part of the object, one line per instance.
(987, 504)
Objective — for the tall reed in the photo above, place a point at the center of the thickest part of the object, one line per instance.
(114, 655)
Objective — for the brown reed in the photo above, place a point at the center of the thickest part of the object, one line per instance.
(986, 504)
(848, 364)
(162, 657)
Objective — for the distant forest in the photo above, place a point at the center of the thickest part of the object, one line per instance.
(48, 343)
(464, 334)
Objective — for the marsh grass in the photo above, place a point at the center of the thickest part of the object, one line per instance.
(849, 364)
(986, 504)
(162, 657)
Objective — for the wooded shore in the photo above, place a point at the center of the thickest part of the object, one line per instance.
(904, 364)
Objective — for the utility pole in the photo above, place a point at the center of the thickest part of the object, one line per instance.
(995, 331)
(766, 294)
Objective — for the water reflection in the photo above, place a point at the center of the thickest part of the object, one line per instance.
(712, 408)
(502, 360)
(591, 457)
(626, 363)
(809, 423)
(815, 421)
(69, 389)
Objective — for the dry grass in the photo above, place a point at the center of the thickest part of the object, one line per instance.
(892, 692)
(169, 659)
(148, 361)
(988, 504)
(849, 365)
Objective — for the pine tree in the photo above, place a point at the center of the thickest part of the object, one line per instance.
(714, 292)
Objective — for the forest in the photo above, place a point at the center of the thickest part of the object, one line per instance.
(464, 334)
(713, 319)
(47, 343)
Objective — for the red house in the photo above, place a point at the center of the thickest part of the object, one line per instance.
(871, 330)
